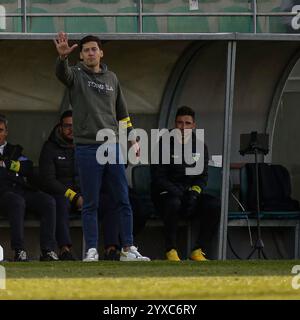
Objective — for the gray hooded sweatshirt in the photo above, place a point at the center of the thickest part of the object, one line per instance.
(96, 98)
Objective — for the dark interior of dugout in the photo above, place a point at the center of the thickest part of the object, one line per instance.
(157, 77)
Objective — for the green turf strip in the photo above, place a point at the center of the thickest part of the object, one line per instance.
(154, 280)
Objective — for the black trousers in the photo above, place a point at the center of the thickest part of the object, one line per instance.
(205, 218)
(62, 231)
(108, 215)
(14, 204)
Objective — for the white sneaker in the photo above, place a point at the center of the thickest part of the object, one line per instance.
(91, 255)
(132, 255)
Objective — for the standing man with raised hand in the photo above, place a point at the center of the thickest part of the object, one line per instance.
(98, 103)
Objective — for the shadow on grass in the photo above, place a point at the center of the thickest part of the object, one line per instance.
(148, 269)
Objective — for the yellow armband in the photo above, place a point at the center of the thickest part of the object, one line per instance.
(70, 194)
(15, 166)
(125, 123)
(196, 188)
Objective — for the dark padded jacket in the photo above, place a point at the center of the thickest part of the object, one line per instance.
(11, 180)
(57, 168)
(172, 178)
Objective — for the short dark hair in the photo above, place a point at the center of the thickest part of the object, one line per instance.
(90, 38)
(4, 120)
(185, 111)
(66, 114)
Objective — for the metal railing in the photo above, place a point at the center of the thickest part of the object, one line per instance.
(140, 14)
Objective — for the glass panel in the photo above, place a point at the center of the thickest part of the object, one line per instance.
(202, 23)
(51, 6)
(107, 2)
(229, 23)
(162, 6)
(61, 6)
(185, 23)
(130, 23)
(108, 6)
(46, 2)
(268, 5)
(277, 23)
(154, 24)
(84, 24)
(170, 25)
(7, 26)
(236, 23)
(41, 25)
(10, 6)
(272, 24)
(7, 22)
(127, 24)
(34, 24)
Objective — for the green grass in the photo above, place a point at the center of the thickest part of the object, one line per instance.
(154, 280)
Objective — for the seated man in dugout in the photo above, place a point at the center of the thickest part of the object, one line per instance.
(59, 177)
(17, 196)
(178, 195)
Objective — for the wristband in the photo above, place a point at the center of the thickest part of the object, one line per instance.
(125, 123)
(14, 165)
(70, 194)
(196, 189)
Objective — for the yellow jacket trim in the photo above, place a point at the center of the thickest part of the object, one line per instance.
(15, 166)
(125, 119)
(196, 188)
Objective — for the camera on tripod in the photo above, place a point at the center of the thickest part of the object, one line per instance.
(255, 143)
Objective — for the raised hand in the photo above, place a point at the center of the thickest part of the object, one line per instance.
(62, 46)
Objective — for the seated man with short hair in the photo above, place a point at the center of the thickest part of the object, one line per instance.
(16, 195)
(177, 194)
(59, 177)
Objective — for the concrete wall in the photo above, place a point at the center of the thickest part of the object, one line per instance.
(287, 138)
(202, 87)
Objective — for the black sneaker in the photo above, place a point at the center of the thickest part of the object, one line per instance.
(20, 256)
(49, 256)
(112, 255)
(66, 256)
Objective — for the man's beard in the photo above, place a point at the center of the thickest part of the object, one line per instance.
(69, 140)
(92, 64)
